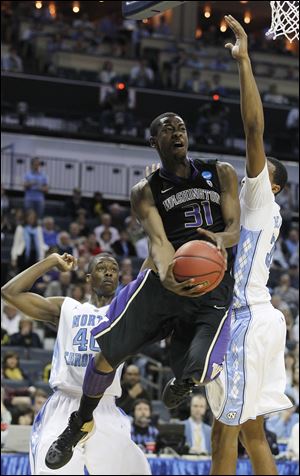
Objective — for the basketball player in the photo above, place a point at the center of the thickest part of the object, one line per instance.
(110, 450)
(253, 381)
(182, 201)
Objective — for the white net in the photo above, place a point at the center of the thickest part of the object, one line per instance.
(285, 20)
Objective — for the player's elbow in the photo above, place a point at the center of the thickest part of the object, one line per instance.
(254, 129)
(5, 294)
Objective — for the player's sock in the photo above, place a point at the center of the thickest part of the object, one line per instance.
(94, 385)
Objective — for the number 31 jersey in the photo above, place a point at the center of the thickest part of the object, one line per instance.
(187, 204)
(75, 346)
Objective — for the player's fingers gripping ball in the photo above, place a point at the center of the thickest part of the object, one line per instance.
(201, 261)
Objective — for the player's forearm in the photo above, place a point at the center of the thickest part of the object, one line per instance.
(230, 235)
(162, 254)
(251, 104)
(25, 280)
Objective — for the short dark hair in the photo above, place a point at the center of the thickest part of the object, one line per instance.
(142, 400)
(156, 122)
(280, 174)
(95, 259)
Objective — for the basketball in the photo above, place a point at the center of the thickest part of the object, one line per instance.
(201, 261)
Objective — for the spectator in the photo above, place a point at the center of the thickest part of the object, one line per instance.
(4, 337)
(118, 215)
(283, 422)
(39, 398)
(134, 228)
(138, 34)
(106, 226)
(10, 319)
(212, 125)
(81, 221)
(5, 419)
(11, 61)
(36, 186)
(273, 97)
(105, 241)
(79, 274)
(292, 125)
(92, 245)
(62, 287)
(216, 86)
(131, 389)
(64, 243)
(78, 293)
(26, 337)
(11, 367)
(194, 84)
(123, 247)
(126, 266)
(98, 205)
(141, 76)
(49, 232)
(286, 292)
(292, 389)
(28, 243)
(142, 249)
(25, 417)
(47, 372)
(4, 202)
(293, 444)
(197, 433)
(289, 361)
(143, 433)
(124, 279)
(74, 203)
(292, 242)
(107, 73)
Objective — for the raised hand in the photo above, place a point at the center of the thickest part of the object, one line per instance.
(65, 262)
(239, 51)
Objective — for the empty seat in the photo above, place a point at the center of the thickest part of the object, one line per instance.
(32, 368)
(5, 382)
(23, 352)
(160, 409)
(42, 355)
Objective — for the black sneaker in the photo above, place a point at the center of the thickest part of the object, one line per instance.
(61, 450)
(175, 392)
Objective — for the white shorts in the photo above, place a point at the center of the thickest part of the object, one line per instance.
(253, 380)
(109, 450)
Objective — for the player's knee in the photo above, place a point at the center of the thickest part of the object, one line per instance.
(253, 431)
(223, 436)
(101, 363)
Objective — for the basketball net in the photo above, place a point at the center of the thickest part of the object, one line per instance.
(285, 20)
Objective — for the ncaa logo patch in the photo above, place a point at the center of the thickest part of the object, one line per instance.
(206, 175)
(231, 415)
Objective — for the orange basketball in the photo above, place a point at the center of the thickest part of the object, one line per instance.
(201, 261)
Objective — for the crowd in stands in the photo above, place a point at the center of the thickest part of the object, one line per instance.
(32, 38)
(85, 228)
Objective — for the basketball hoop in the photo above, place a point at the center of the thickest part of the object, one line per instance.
(285, 20)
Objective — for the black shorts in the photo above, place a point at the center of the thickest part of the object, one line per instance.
(145, 312)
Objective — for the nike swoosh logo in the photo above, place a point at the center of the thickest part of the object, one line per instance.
(167, 190)
(219, 307)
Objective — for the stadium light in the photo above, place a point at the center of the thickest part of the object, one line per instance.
(38, 5)
(223, 26)
(247, 17)
(76, 7)
(207, 11)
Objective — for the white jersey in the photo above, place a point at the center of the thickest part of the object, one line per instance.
(260, 225)
(75, 346)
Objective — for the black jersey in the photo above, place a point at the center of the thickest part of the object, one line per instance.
(187, 204)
